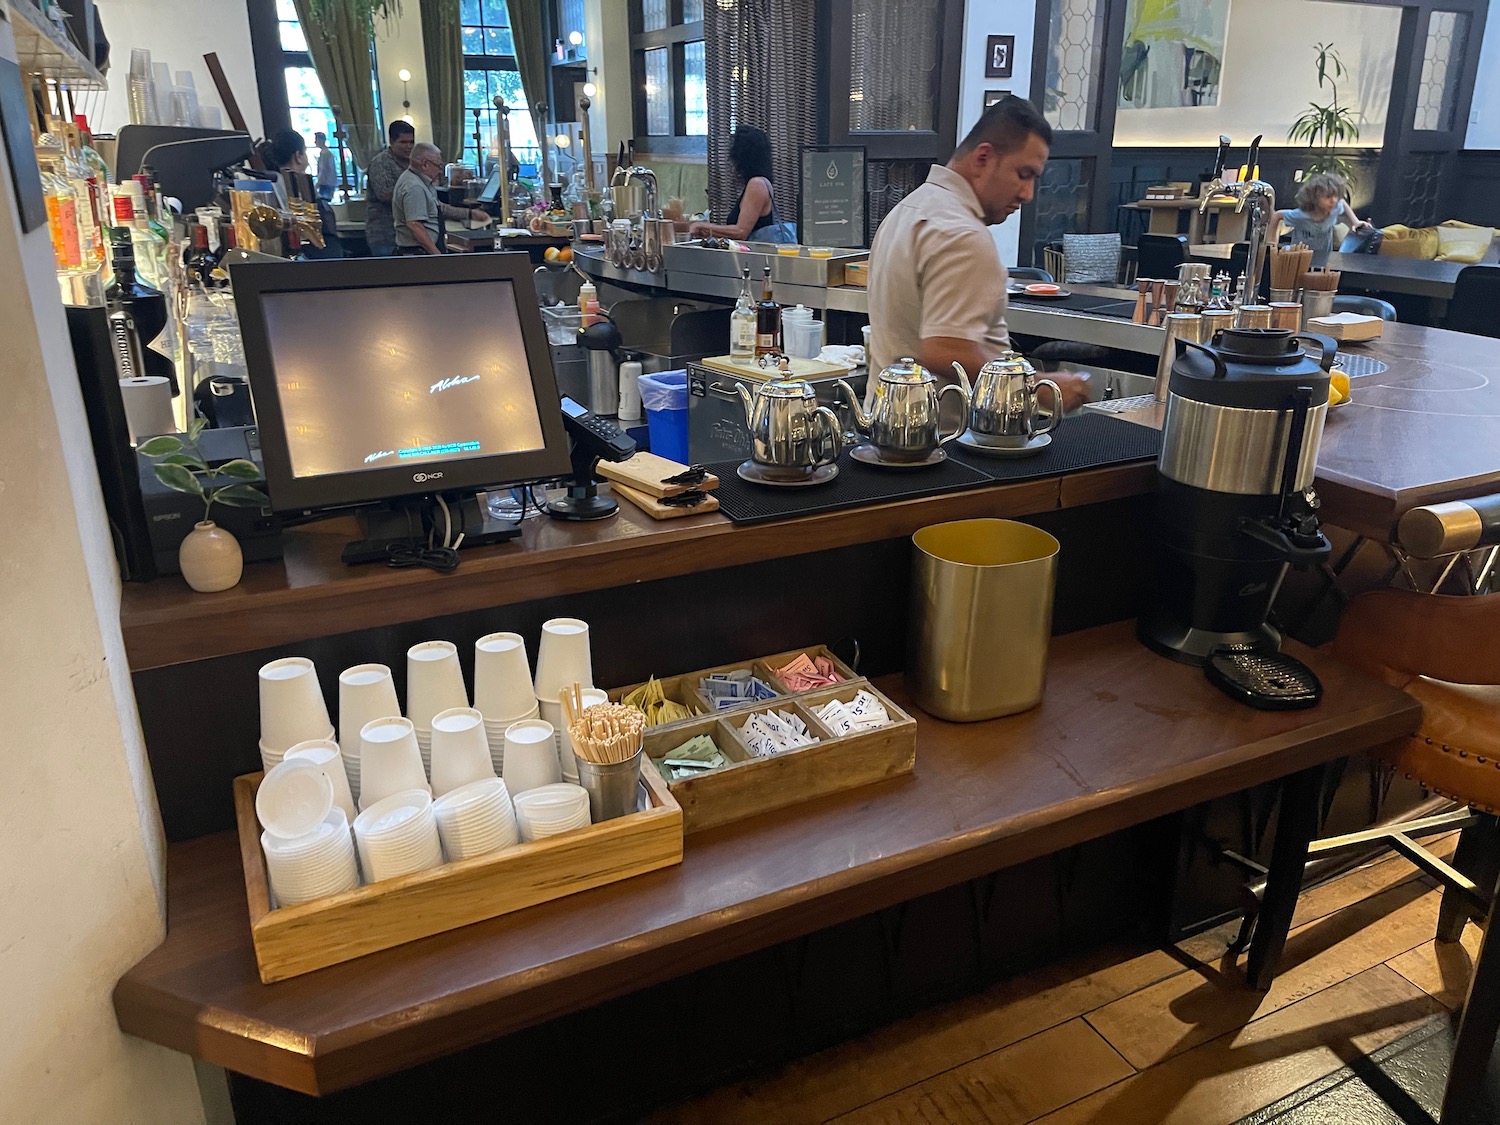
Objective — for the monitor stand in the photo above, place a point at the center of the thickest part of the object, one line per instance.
(402, 527)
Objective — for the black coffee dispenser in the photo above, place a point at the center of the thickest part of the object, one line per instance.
(1235, 506)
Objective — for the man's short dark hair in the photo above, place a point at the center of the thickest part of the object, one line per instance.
(399, 129)
(1006, 125)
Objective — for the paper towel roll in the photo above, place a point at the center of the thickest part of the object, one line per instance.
(148, 406)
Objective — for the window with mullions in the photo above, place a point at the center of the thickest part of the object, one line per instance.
(305, 99)
(490, 69)
(667, 61)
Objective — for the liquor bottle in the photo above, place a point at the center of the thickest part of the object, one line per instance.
(62, 217)
(198, 261)
(767, 321)
(742, 323)
(85, 184)
(219, 274)
(91, 158)
(125, 343)
(1218, 300)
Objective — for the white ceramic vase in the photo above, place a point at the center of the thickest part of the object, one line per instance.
(210, 558)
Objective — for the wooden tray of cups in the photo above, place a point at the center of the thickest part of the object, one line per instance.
(751, 785)
(684, 688)
(293, 940)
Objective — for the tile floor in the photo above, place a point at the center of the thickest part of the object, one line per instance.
(1162, 1037)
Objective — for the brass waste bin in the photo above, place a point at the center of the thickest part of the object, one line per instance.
(981, 618)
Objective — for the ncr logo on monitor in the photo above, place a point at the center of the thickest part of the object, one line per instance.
(421, 478)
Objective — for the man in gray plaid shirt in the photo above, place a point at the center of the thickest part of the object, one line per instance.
(385, 169)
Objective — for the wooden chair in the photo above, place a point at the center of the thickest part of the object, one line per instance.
(1159, 255)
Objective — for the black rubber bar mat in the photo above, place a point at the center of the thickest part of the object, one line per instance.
(856, 486)
(1084, 441)
(1081, 302)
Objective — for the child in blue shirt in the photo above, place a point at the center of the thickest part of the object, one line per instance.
(1321, 203)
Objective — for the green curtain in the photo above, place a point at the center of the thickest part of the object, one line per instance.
(339, 42)
(443, 52)
(528, 27)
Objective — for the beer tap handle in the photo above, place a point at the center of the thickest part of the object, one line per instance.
(1253, 160)
(1223, 155)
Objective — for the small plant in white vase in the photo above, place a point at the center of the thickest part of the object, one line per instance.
(210, 557)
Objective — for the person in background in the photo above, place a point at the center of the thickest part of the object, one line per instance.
(1322, 202)
(417, 214)
(327, 178)
(385, 169)
(937, 285)
(754, 214)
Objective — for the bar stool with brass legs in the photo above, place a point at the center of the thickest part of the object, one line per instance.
(1445, 651)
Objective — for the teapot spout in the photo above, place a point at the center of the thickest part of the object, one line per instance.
(963, 377)
(862, 420)
(747, 402)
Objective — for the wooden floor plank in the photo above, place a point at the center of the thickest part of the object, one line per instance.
(1183, 1011)
(1442, 970)
(1221, 1081)
(831, 1082)
(1006, 1087)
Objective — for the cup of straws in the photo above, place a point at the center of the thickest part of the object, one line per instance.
(607, 740)
(1288, 264)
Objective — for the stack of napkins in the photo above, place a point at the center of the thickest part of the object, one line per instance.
(768, 733)
(863, 712)
(699, 754)
(730, 689)
(1347, 326)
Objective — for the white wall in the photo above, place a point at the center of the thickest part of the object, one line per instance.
(1484, 129)
(984, 18)
(1269, 76)
(180, 33)
(607, 35)
(81, 881)
(398, 45)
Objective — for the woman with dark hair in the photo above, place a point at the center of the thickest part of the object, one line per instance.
(286, 155)
(754, 214)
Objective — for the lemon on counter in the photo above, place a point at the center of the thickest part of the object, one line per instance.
(1338, 388)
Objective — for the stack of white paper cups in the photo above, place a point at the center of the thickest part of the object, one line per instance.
(389, 760)
(434, 682)
(530, 756)
(562, 659)
(503, 692)
(366, 692)
(291, 707)
(325, 754)
(460, 751)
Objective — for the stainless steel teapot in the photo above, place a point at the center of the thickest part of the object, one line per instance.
(903, 425)
(1003, 409)
(788, 429)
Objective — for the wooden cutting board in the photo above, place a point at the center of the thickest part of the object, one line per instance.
(654, 508)
(645, 472)
(801, 368)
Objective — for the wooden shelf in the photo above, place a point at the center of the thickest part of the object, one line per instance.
(44, 49)
(1122, 737)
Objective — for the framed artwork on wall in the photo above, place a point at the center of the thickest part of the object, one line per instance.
(999, 56)
(15, 123)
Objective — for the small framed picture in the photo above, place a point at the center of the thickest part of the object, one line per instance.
(993, 96)
(999, 56)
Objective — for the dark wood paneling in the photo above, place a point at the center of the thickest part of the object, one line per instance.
(1476, 195)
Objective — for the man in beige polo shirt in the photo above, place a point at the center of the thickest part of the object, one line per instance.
(937, 285)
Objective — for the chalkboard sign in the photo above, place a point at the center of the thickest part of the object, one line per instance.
(833, 196)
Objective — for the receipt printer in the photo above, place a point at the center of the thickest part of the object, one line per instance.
(170, 515)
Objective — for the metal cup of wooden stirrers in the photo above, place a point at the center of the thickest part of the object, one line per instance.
(607, 740)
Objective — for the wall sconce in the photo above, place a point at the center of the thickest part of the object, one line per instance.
(576, 39)
(590, 90)
(405, 76)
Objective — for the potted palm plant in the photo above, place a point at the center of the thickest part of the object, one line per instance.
(1323, 126)
(210, 557)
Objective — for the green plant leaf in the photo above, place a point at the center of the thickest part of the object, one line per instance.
(195, 427)
(159, 446)
(179, 479)
(187, 460)
(241, 496)
(240, 469)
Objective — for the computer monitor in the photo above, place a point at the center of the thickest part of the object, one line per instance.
(491, 192)
(381, 378)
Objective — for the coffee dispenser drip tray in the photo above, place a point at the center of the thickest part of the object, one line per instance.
(1263, 678)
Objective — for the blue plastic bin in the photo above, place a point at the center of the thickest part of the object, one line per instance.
(664, 396)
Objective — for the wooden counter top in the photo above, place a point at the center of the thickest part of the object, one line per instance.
(311, 593)
(1122, 737)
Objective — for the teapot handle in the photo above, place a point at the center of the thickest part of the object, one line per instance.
(963, 419)
(1057, 408)
(835, 434)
